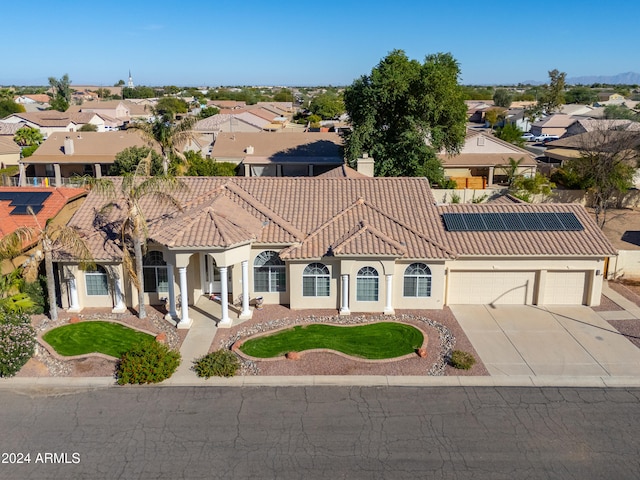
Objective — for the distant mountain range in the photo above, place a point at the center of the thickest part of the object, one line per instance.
(628, 78)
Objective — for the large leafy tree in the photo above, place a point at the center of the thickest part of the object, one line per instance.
(207, 167)
(502, 98)
(327, 105)
(552, 96)
(169, 107)
(8, 106)
(606, 166)
(128, 159)
(510, 133)
(404, 112)
(127, 195)
(581, 95)
(61, 93)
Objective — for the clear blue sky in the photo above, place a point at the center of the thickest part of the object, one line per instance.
(225, 42)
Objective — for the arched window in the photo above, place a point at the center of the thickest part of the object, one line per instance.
(367, 285)
(96, 281)
(417, 280)
(154, 269)
(269, 273)
(315, 280)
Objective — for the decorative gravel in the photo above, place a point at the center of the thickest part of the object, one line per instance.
(441, 341)
(43, 364)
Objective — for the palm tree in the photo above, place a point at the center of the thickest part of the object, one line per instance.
(54, 237)
(26, 137)
(133, 226)
(511, 170)
(169, 136)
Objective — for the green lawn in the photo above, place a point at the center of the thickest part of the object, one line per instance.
(89, 337)
(371, 341)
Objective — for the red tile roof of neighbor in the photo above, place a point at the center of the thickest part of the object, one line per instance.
(52, 206)
(311, 217)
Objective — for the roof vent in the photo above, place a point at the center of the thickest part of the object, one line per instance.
(249, 150)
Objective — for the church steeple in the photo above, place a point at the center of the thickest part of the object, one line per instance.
(130, 82)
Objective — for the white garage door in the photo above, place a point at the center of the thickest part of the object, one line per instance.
(565, 288)
(506, 288)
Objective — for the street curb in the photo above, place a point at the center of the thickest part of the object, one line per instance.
(328, 380)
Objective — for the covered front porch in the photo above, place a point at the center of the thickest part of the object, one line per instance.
(215, 283)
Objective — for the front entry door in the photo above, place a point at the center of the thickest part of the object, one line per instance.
(211, 275)
(211, 280)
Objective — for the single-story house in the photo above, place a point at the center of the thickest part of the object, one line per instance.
(9, 152)
(555, 124)
(283, 154)
(65, 155)
(483, 160)
(349, 244)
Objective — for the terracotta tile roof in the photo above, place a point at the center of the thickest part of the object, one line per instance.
(343, 171)
(309, 217)
(52, 205)
(589, 241)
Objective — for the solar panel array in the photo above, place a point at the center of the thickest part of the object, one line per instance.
(21, 201)
(512, 222)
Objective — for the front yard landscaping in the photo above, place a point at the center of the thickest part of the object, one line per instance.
(109, 338)
(373, 341)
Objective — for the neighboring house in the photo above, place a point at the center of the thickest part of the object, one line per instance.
(346, 244)
(568, 148)
(482, 161)
(42, 99)
(591, 124)
(47, 204)
(65, 155)
(9, 152)
(517, 117)
(476, 110)
(48, 121)
(9, 129)
(284, 154)
(119, 111)
(575, 110)
(238, 122)
(555, 124)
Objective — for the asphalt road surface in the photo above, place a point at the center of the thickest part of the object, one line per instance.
(321, 433)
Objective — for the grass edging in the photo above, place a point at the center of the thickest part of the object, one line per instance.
(235, 347)
(104, 356)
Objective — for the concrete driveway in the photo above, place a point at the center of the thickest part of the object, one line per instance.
(552, 340)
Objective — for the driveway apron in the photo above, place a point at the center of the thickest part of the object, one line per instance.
(546, 341)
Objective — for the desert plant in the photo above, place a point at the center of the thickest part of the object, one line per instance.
(221, 363)
(461, 360)
(147, 362)
(455, 198)
(17, 342)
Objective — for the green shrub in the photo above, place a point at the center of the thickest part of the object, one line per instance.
(221, 363)
(36, 293)
(147, 362)
(461, 360)
(17, 342)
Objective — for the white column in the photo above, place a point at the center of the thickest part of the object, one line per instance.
(171, 315)
(490, 179)
(98, 170)
(388, 307)
(185, 321)
(246, 312)
(74, 304)
(23, 175)
(58, 177)
(224, 297)
(119, 306)
(344, 305)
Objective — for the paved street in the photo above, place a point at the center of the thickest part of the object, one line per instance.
(322, 432)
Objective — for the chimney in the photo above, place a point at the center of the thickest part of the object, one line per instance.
(249, 150)
(365, 165)
(68, 146)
